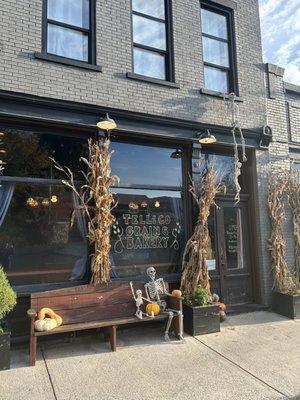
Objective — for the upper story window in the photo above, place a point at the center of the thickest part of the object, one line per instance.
(217, 43)
(151, 39)
(69, 29)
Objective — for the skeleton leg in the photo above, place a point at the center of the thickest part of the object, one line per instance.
(179, 315)
(171, 315)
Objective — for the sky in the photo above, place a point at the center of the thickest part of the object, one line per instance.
(280, 25)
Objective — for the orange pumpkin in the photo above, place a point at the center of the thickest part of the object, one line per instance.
(222, 306)
(177, 293)
(152, 307)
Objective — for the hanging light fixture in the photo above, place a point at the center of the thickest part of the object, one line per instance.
(107, 123)
(206, 137)
(176, 154)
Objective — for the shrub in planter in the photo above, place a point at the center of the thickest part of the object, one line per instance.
(7, 303)
(201, 316)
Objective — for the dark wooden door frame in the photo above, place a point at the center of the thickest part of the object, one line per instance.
(222, 272)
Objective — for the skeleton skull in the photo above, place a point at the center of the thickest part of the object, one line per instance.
(151, 272)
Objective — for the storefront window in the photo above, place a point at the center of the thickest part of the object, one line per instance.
(37, 243)
(146, 165)
(224, 165)
(149, 227)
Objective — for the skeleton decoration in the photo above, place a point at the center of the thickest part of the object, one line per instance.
(139, 301)
(236, 127)
(155, 289)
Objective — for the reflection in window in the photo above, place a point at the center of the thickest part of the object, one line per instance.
(37, 244)
(34, 150)
(151, 53)
(149, 230)
(69, 28)
(224, 165)
(215, 42)
(211, 261)
(143, 165)
(234, 238)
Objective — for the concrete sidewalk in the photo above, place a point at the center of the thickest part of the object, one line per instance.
(256, 356)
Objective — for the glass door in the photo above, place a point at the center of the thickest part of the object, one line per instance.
(229, 263)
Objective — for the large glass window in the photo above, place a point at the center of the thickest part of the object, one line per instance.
(224, 165)
(217, 48)
(37, 243)
(150, 32)
(69, 29)
(149, 227)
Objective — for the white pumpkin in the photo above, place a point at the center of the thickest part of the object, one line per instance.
(46, 324)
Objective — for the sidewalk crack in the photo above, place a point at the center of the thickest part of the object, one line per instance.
(243, 369)
(48, 372)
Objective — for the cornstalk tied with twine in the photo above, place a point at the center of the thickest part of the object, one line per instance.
(293, 186)
(277, 244)
(198, 246)
(97, 202)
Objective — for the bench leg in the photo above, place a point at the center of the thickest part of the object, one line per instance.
(32, 350)
(113, 337)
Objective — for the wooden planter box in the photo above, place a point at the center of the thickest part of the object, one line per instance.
(4, 350)
(201, 320)
(286, 304)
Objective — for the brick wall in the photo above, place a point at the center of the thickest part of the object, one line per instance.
(283, 115)
(20, 37)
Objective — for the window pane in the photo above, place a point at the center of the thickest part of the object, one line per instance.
(155, 8)
(234, 240)
(148, 231)
(214, 24)
(215, 52)
(149, 63)
(149, 33)
(37, 243)
(34, 151)
(72, 12)
(67, 43)
(224, 165)
(143, 165)
(215, 79)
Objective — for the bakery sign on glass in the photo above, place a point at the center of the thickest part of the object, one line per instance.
(146, 231)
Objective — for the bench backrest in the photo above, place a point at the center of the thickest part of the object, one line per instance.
(87, 303)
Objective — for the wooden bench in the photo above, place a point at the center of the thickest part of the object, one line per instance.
(89, 307)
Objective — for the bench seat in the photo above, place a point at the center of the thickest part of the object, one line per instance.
(89, 307)
(99, 324)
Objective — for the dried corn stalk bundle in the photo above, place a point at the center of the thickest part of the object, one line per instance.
(294, 202)
(198, 247)
(97, 202)
(277, 244)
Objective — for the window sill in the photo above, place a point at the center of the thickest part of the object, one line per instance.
(67, 61)
(156, 81)
(218, 94)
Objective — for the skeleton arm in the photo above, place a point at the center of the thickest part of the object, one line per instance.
(147, 293)
(132, 291)
(164, 287)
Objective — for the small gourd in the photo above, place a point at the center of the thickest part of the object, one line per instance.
(48, 311)
(46, 324)
(152, 308)
(177, 293)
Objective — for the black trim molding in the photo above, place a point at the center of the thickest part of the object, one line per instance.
(143, 78)
(218, 94)
(67, 61)
(35, 112)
